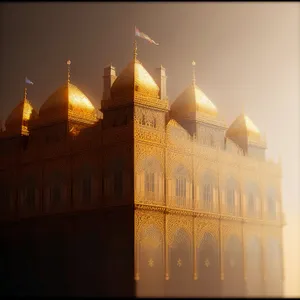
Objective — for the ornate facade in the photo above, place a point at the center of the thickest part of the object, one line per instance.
(202, 205)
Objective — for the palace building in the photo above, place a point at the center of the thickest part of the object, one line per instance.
(139, 198)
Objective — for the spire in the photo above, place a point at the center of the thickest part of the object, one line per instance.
(135, 50)
(69, 70)
(25, 93)
(194, 74)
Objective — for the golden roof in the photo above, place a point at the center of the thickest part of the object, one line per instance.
(244, 127)
(193, 100)
(17, 121)
(134, 80)
(69, 102)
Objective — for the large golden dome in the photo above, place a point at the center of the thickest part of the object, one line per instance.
(68, 102)
(243, 127)
(193, 100)
(17, 121)
(134, 80)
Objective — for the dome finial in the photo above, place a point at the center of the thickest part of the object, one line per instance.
(69, 70)
(135, 50)
(194, 74)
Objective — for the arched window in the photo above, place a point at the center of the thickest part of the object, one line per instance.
(271, 207)
(230, 200)
(251, 205)
(181, 185)
(208, 196)
(232, 205)
(208, 184)
(180, 190)
(149, 182)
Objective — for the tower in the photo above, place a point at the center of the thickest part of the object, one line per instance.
(198, 115)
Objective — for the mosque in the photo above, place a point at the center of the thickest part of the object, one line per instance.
(138, 198)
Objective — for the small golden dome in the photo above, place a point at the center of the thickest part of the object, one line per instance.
(69, 102)
(17, 121)
(244, 127)
(193, 100)
(134, 80)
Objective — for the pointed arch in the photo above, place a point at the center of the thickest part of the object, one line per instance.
(151, 266)
(181, 264)
(253, 266)
(208, 267)
(273, 260)
(208, 191)
(233, 267)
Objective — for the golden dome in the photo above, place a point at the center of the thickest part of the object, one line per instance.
(193, 100)
(68, 102)
(243, 127)
(17, 121)
(134, 80)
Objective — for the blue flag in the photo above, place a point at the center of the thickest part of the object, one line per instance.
(28, 81)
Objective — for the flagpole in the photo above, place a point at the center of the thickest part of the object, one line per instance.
(135, 50)
(25, 93)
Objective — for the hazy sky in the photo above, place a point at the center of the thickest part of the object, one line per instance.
(247, 55)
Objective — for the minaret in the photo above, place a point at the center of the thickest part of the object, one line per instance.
(161, 80)
(109, 78)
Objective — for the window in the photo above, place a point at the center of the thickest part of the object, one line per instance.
(118, 183)
(55, 196)
(208, 197)
(30, 198)
(181, 190)
(149, 182)
(271, 208)
(251, 205)
(86, 189)
(230, 201)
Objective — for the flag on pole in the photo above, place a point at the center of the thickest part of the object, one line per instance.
(28, 81)
(144, 36)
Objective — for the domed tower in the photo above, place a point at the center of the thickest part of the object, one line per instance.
(247, 136)
(198, 115)
(17, 122)
(133, 88)
(68, 105)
